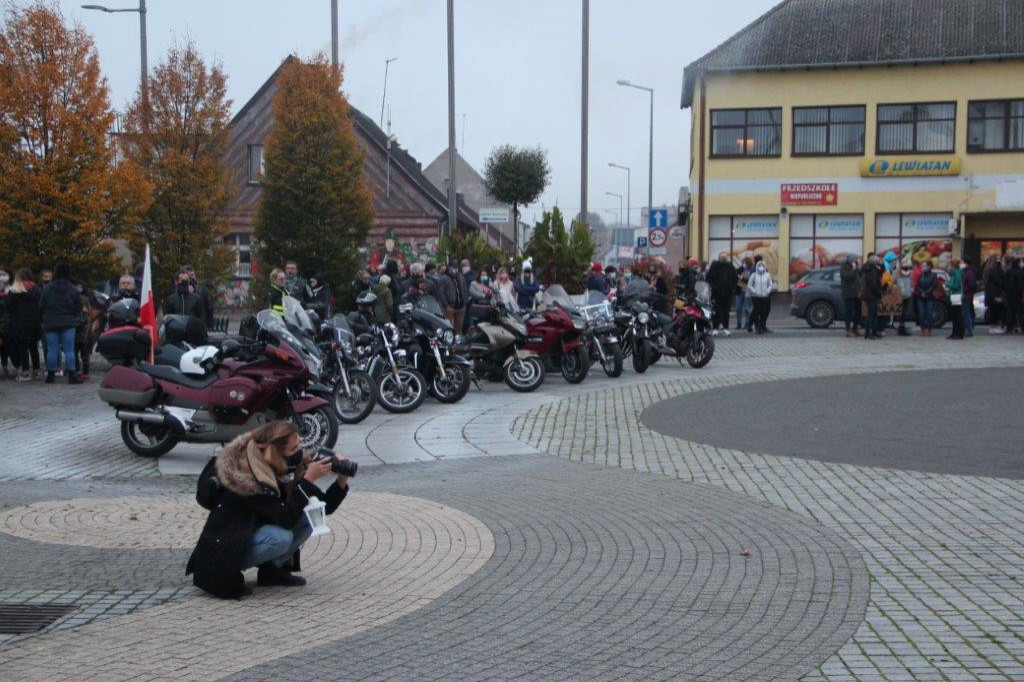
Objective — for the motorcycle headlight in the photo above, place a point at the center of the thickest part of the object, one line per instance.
(579, 325)
(313, 365)
(643, 318)
(449, 337)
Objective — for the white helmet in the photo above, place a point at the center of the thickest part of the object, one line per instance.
(194, 362)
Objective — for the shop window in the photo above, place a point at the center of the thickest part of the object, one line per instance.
(915, 237)
(998, 247)
(921, 128)
(996, 126)
(256, 164)
(742, 237)
(828, 131)
(817, 241)
(746, 132)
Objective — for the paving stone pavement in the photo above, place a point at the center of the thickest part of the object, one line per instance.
(944, 552)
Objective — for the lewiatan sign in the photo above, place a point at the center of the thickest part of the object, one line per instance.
(897, 167)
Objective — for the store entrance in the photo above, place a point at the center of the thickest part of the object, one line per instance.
(980, 249)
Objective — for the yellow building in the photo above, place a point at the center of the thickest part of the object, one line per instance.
(830, 128)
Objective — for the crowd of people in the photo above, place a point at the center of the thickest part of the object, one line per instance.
(64, 315)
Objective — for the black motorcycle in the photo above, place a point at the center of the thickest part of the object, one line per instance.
(354, 392)
(428, 340)
(602, 335)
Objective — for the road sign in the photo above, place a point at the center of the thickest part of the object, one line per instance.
(657, 252)
(641, 242)
(657, 237)
(658, 217)
(495, 216)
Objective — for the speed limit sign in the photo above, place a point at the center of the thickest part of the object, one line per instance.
(657, 237)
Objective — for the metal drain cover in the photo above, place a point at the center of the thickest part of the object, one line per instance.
(18, 619)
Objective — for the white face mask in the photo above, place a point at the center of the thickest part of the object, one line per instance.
(963, 266)
(760, 268)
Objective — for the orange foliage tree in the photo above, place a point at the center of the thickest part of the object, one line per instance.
(61, 197)
(316, 207)
(180, 147)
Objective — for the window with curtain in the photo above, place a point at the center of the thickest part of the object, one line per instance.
(255, 164)
(828, 131)
(910, 128)
(996, 126)
(746, 132)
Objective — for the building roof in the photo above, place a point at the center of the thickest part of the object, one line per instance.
(802, 34)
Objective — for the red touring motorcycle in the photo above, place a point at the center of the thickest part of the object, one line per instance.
(232, 390)
(554, 334)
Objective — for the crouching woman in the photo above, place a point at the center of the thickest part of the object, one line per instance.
(256, 490)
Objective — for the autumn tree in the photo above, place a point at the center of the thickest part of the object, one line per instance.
(61, 198)
(471, 246)
(517, 176)
(560, 256)
(316, 206)
(180, 148)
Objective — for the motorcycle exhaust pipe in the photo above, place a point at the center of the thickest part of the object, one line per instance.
(149, 417)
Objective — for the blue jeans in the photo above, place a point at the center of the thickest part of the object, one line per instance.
(62, 339)
(925, 313)
(851, 314)
(744, 309)
(275, 544)
(968, 312)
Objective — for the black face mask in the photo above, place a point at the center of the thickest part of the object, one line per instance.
(293, 460)
(126, 293)
(183, 288)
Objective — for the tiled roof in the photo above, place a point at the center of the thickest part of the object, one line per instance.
(836, 33)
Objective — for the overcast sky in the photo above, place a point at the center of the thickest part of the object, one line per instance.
(517, 72)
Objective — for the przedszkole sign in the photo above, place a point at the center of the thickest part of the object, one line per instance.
(810, 194)
(887, 168)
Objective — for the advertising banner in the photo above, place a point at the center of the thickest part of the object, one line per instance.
(810, 194)
(903, 167)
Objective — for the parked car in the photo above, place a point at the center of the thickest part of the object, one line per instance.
(818, 298)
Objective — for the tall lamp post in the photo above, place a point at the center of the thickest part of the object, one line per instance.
(629, 207)
(585, 107)
(650, 167)
(334, 33)
(144, 73)
(453, 209)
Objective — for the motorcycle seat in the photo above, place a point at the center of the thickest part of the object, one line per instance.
(663, 318)
(175, 376)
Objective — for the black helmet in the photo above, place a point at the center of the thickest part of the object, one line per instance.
(366, 298)
(124, 312)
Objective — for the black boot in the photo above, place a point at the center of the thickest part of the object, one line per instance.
(74, 378)
(49, 377)
(270, 575)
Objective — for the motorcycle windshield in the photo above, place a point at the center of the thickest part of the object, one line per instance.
(296, 317)
(702, 291)
(556, 295)
(637, 287)
(594, 297)
(340, 325)
(508, 299)
(428, 303)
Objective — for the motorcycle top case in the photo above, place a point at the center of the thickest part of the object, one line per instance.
(234, 392)
(124, 344)
(128, 387)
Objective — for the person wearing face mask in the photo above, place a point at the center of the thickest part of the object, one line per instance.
(955, 290)
(505, 286)
(722, 278)
(125, 289)
(686, 278)
(184, 301)
(627, 277)
(870, 294)
(481, 291)
(924, 291)
(256, 490)
(759, 288)
(527, 286)
(468, 273)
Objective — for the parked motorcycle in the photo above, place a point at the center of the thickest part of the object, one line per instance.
(688, 335)
(555, 336)
(243, 385)
(429, 340)
(602, 337)
(400, 387)
(353, 393)
(495, 349)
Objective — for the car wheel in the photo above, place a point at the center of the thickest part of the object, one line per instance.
(820, 315)
(940, 315)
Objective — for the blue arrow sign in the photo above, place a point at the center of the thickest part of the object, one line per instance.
(658, 218)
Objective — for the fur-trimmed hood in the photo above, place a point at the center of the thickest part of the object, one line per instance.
(242, 468)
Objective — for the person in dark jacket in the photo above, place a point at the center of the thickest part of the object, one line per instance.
(23, 322)
(295, 284)
(527, 287)
(61, 304)
(320, 296)
(1013, 289)
(722, 278)
(125, 289)
(686, 278)
(596, 280)
(456, 296)
(184, 301)
(970, 286)
(849, 277)
(203, 292)
(256, 490)
(467, 271)
(871, 293)
(924, 291)
(361, 284)
(993, 280)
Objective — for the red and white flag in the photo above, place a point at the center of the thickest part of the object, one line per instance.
(147, 307)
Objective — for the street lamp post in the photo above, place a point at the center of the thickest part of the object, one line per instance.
(144, 73)
(585, 107)
(629, 191)
(650, 167)
(613, 194)
(453, 209)
(334, 33)
(387, 64)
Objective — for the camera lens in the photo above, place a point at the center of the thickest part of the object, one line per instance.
(345, 467)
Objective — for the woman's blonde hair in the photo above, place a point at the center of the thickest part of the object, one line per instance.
(385, 280)
(20, 278)
(271, 440)
(274, 274)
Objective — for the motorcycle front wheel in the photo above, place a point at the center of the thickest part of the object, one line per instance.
(699, 353)
(575, 365)
(453, 386)
(318, 428)
(612, 360)
(356, 405)
(147, 440)
(524, 376)
(401, 392)
(641, 356)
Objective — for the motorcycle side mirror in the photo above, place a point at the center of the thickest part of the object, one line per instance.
(229, 348)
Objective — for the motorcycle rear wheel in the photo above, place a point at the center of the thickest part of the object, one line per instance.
(358, 404)
(699, 354)
(453, 386)
(524, 376)
(575, 365)
(318, 428)
(158, 442)
(641, 356)
(401, 394)
(612, 360)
